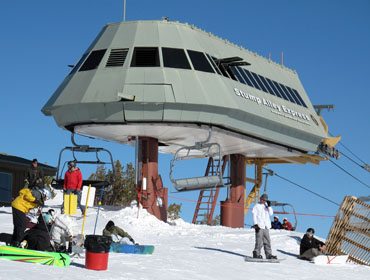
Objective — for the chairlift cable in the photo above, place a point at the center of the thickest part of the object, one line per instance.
(341, 168)
(352, 153)
(281, 177)
(364, 163)
(362, 166)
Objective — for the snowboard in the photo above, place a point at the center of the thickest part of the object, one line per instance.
(70, 204)
(33, 256)
(250, 259)
(131, 249)
(323, 259)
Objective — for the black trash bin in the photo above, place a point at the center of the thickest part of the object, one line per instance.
(97, 251)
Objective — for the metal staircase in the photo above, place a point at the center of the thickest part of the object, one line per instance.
(208, 197)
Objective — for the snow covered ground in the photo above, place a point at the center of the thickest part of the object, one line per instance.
(182, 251)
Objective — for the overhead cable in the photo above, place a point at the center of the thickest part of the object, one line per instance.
(340, 143)
(341, 168)
(364, 166)
(302, 187)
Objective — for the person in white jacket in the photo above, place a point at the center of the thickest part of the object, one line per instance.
(62, 232)
(262, 212)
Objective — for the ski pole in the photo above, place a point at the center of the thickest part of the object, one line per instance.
(83, 224)
(97, 214)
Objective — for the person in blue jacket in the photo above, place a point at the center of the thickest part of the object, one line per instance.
(276, 223)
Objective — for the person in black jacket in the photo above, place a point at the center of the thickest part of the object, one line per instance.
(38, 237)
(310, 246)
(34, 175)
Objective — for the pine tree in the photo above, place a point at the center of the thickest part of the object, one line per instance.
(173, 211)
(123, 186)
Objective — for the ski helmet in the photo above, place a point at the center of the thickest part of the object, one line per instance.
(46, 193)
(264, 196)
(72, 163)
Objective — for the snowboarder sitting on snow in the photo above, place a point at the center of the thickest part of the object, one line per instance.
(26, 200)
(114, 232)
(286, 224)
(310, 246)
(38, 237)
(276, 223)
(62, 232)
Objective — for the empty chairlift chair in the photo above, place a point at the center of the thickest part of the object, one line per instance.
(202, 182)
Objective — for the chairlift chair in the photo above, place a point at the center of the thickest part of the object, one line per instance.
(275, 203)
(58, 182)
(197, 183)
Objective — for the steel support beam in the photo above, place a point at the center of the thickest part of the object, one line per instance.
(151, 194)
(232, 209)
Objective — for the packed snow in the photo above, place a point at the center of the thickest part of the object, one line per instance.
(182, 251)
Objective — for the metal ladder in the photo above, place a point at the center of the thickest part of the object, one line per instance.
(208, 197)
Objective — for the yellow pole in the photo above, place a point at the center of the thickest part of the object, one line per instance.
(83, 224)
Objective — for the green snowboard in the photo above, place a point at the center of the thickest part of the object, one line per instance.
(33, 256)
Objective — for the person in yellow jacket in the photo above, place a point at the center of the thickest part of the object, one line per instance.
(25, 201)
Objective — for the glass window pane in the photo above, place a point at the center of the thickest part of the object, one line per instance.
(293, 95)
(237, 74)
(241, 71)
(287, 93)
(145, 57)
(75, 68)
(175, 58)
(300, 98)
(255, 84)
(213, 64)
(200, 61)
(93, 60)
(277, 93)
(280, 90)
(255, 76)
(266, 84)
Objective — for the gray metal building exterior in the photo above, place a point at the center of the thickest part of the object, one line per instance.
(174, 82)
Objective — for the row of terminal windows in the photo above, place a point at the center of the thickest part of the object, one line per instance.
(176, 58)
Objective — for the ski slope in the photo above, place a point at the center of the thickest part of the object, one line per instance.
(182, 251)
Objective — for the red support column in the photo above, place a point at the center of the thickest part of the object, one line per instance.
(232, 209)
(153, 197)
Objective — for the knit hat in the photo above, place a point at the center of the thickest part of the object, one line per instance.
(110, 225)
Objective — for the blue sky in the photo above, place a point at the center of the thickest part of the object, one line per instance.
(326, 42)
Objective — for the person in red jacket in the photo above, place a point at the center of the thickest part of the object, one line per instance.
(73, 183)
(286, 224)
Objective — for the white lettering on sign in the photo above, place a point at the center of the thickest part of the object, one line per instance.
(278, 109)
